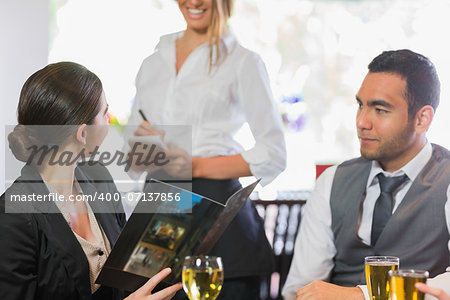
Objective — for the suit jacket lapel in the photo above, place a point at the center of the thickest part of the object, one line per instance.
(58, 232)
(73, 257)
(103, 210)
(410, 200)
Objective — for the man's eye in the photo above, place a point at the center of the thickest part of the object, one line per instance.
(381, 111)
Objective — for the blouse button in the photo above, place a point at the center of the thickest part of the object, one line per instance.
(100, 252)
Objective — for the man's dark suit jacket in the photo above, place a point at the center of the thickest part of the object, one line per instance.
(40, 257)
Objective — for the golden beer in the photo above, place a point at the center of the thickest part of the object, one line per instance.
(402, 284)
(202, 277)
(377, 275)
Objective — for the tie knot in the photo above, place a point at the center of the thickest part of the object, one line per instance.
(390, 184)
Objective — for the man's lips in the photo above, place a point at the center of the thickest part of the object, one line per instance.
(367, 139)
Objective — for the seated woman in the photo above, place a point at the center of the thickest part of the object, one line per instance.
(55, 249)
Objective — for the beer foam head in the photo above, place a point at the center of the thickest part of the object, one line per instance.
(382, 263)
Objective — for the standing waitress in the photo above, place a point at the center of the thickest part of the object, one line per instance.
(204, 78)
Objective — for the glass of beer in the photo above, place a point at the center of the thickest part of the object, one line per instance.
(202, 277)
(402, 284)
(377, 275)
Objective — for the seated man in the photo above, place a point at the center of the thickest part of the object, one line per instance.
(390, 201)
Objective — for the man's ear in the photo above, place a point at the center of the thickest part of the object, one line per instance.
(423, 118)
(81, 134)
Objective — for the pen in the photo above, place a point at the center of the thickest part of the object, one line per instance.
(142, 115)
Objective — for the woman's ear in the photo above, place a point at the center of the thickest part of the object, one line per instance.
(81, 134)
(423, 119)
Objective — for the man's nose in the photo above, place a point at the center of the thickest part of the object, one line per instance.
(363, 120)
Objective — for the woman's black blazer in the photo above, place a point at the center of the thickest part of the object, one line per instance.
(40, 257)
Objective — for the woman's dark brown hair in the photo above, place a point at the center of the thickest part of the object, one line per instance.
(63, 93)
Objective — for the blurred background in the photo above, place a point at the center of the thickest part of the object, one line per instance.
(316, 53)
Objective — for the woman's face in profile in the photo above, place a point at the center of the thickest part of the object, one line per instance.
(197, 13)
(99, 128)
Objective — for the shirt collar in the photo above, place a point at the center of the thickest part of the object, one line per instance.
(166, 44)
(411, 169)
(168, 40)
(229, 40)
(166, 47)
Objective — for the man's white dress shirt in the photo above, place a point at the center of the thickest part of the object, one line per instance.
(441, 281)
(314, 246)
(215, 102)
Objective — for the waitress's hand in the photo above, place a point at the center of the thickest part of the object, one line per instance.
(180, 163)
(438, 293)
(145, 291)
(145, 128)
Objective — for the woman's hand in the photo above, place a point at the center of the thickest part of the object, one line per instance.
(142, 150)
(438, 293)
(145, 291)
(180, 163)
(145, 128)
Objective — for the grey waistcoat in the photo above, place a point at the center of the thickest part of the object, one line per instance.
(416, 233)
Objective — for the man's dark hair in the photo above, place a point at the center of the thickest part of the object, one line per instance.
(422, 81)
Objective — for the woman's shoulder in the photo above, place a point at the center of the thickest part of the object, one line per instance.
(246, 60)
(168, 40)
(16, 214)
(18, 198)
(239, 52)
(166, 44)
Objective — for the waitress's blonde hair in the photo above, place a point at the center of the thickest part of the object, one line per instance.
(221, 12)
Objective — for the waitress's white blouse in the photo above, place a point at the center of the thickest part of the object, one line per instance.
(215, 103)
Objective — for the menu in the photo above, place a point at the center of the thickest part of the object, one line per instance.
(168, 224)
